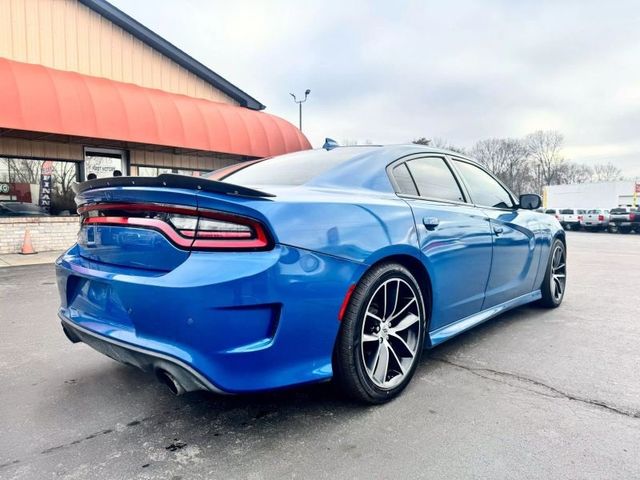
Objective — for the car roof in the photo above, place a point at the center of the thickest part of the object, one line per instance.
(362, 170)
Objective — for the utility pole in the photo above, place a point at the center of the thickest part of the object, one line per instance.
(300, 102)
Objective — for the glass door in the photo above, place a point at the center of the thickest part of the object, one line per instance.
(104, 162)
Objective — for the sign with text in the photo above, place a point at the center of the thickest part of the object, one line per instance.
(45, 186)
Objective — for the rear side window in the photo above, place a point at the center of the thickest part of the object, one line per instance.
(403, 179)
(484, 189)
(434, 179)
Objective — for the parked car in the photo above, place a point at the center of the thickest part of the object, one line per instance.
(342, 263)
(570, 218)
(624, 219)
(596, 219)
(21, 209)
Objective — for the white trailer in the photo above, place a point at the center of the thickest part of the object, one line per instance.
(589, 195)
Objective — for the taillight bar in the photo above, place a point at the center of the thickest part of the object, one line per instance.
(211, 229)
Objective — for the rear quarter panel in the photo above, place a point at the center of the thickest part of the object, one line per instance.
(358, 226)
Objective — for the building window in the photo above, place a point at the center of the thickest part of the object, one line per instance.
(37, 187)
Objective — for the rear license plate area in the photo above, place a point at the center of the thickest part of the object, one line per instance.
(97, 301)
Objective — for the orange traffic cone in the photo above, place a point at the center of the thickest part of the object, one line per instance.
(27, 246)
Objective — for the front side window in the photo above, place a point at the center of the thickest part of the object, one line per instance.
(434, 179)
(484, 189)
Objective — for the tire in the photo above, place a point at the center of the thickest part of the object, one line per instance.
(555, 279)
(387, 297)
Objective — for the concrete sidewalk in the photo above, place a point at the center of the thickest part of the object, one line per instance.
(16, 259)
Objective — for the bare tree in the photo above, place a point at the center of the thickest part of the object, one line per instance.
(508, 159)
(570, 172)
(445, 145)
(544, 149)
(606, 172)
(24, 171)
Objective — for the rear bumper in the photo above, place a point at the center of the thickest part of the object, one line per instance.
(225, 322)
(149, 361)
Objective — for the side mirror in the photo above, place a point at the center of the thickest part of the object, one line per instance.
(530, 201)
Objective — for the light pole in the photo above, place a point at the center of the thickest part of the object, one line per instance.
(300, 102)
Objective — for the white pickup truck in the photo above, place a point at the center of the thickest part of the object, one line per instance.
(570, 218)
(596, 219)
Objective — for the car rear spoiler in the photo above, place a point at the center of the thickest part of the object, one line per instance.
(172, 181)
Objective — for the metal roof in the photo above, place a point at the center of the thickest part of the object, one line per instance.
(169, 50)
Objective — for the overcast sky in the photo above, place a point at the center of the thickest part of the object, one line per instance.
(389, 72)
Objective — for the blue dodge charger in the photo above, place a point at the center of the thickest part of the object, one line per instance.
(341, 263)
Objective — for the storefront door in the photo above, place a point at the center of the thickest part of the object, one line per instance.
(104, 162)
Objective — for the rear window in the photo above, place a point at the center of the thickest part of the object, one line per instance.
(594, 211)
(293, 169)
(550, 210)
(566, 211)
(618, 210)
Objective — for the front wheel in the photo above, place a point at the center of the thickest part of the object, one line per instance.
(382, 335)
(555, 279)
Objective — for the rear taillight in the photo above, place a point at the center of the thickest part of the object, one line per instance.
(601, 218)
(632, 216)
(580, 217)
(185, 227)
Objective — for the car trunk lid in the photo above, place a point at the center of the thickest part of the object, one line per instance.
(155, 222)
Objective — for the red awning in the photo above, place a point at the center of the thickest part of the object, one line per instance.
(41, 99)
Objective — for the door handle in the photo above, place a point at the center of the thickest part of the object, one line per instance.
(498, 230)
(430, 223)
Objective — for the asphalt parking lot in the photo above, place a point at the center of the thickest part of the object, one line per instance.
(532, 394)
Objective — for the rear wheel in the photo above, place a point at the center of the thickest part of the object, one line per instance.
(382, 335)
(555, 279)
